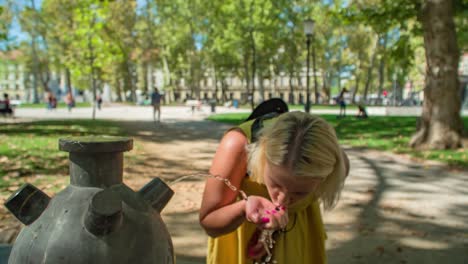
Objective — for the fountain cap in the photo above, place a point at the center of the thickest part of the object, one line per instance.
(95, 144)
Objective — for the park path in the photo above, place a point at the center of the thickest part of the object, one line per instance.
(393, 209)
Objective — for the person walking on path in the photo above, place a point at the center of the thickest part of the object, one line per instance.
(51, 101)
(6, 108)
(99, 101)
(281, 167)
(342, 102)
(156, 103)
(69, 101)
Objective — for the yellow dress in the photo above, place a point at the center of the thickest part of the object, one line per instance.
(304, 241)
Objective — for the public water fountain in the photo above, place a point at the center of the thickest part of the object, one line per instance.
(97, 218)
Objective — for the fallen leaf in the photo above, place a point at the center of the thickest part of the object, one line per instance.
(380, 249)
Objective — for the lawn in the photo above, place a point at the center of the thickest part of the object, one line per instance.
(351, 108)
(388, 133)
(59, 105)
(29, 151)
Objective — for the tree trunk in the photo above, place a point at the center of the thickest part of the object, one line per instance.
(35, 98)
(382, 68)
(261, 87)
(356, 88)
(215, 78)
(254, 69)
(127, 79)
(369, 70)
(291, 86)
(246, 72)
(68, 81)
(131, 81)
(325, 87)
(45, 78)
(440, 125)
(223, 89)
(338, 76)
(254, 55)
(144, 77)
(93, 77)
(118, 89)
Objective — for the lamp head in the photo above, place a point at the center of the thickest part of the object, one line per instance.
(309, 27)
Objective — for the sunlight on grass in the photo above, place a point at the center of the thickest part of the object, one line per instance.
(59, 105)
(387, 133)
(29, 151)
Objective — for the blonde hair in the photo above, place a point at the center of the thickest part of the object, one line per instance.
(308, 145)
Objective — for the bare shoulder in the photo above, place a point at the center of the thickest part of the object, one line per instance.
(235, 140)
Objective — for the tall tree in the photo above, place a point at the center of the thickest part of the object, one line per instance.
(440, 125)
(58, 17)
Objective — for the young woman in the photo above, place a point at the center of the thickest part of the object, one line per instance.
(284, 166)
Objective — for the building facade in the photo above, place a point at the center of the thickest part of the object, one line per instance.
(12, 75)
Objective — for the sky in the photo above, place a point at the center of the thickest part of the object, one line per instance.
(16, 35)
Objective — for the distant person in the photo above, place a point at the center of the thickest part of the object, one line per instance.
(362, 113)
(342, 102)
(147, 100)
(156, 103)
(51, 101)
(5, 108)
(99, 101)
(69, 101)
(48, 100)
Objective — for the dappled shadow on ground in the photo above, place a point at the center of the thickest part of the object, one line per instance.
(175, 131)
(188, 237)
(395, 211)
(172, 151)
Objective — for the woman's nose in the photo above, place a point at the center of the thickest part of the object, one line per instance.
(281, 199)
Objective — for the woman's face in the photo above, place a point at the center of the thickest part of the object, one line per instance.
(284, 187)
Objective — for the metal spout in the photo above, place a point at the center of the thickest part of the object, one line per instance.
(27, 203)
(104, 213)
(96, 161)
(157, 193)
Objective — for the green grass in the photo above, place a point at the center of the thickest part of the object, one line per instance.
(389, 133)
(59, 105)
(29, 151)
(351, 108)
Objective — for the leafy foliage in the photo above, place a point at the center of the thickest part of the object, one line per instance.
(193, 40)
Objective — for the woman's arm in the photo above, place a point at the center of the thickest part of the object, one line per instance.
(220, 213)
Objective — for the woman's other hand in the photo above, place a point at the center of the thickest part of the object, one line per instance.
(265, 214)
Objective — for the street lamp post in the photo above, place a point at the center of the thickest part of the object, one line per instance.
(309, 31)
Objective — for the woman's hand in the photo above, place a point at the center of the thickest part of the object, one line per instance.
(265, 214)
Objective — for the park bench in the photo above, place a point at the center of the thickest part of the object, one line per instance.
(5, 109)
